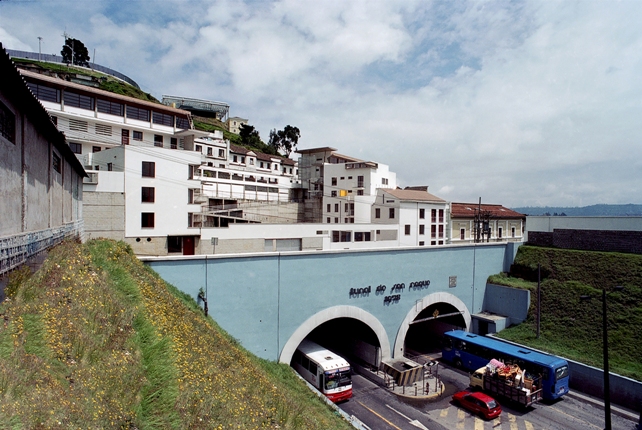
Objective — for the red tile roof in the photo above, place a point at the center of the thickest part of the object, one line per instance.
(467, 210)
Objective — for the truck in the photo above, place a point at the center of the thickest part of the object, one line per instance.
(523, 394)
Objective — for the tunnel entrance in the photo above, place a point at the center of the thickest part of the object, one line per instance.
(352, 339)
(425, 332)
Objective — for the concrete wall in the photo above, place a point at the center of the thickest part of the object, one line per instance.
(510, 302)
(104, 214)
(550, 223)
(590, 240)
(264, 299)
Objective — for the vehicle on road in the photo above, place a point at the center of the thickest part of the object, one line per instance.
(478, 403)
(515, 391)
(471, 351)
(326, 371)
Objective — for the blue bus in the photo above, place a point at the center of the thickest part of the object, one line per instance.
(471, 351)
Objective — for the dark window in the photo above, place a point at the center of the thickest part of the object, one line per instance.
(163, 119)
(147, 195)
(359, 192)
(137, 113)
(209, 151)
(182, 123)
(391, 213)
(138, 135)
(56, 163)
(79, 100)
(334, 182)
(147, 219)
(95, 149)
(422, 213)
(422, 229)
(433, 231)
(174, 244)
(407, 229)
(377, 213)
(76, 148)
(149, 169)
(7, 123)
(125, 137)
(336, 207)
(333, 193)
(421, 243)
(112, 108)
(441, 231)
(110, 167)
(433, 215)
(173, 143)
(158, 140)
(45, 93)
(441, 215)
(328, 208)
(359, 181)
(462, 233)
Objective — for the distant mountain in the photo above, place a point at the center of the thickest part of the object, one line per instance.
(594, 210)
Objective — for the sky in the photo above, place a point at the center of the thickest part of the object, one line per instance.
(519, 103)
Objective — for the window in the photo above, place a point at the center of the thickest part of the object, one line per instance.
(137, 113)
(209, 151)
(124, 139)
(158, 140)
(173, 143)
(79, 100)
(462, 233)
(359, 181)
(276, 166)
(407, 229)
(333, 193)
(7, 123)
(174, 244)
(95, 149)
(147, 195)
(334, 182)
(433, 231)
(149, 169)
(422, 229)
(182, 123)
(221, 153)
(44, 93)
(327, 220)
(336, 207)
(362, 236)
(163, 119)
(512, 231)
(138, 135)
(441, 215)
(359, 192)
(235, 159)
(377, 213)
(328, 207)
(251, 161)
(336, 220)
(110, 167)
(499, 232)
(76, 148)
(112, 108)
(147, 219)
(441, 231)
(243, 161)
(57, 165)
(422, 213)
(198, 148)
(391, 213)
(421, 243)
(433, 215)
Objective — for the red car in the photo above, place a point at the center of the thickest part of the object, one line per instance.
(478, 403)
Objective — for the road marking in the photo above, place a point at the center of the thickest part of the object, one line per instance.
(388, 422)
(528, 425)
(443, 413)
(461, 416)
(411, 421)
(575, 418)
(479, 424)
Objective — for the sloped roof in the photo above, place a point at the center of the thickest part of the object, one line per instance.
(261, 156)
(467, 210)
(15, 87)
(413, 195)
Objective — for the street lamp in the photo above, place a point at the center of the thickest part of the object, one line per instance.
(605, 355)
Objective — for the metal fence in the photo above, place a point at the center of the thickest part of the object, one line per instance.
(50, 58)
(16, 250)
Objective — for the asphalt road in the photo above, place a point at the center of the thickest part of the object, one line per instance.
(379, 409)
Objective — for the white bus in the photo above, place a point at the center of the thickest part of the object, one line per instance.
(327, 371)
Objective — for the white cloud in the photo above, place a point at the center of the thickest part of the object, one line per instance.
(521, 103)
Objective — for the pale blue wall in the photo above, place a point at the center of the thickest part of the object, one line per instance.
(262, 299)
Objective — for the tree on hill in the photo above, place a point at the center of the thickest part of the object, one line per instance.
(285, 140)
(250, 138)
(75, 52)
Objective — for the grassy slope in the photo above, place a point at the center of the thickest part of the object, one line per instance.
(95, 339)
(572, 327)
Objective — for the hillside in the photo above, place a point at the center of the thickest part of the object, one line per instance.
(95, 339)
(594, 210)
(572, 327)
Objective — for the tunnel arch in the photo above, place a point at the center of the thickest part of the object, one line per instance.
(331, 313)
(426, 301)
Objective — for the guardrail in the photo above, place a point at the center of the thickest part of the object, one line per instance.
(16, 250)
